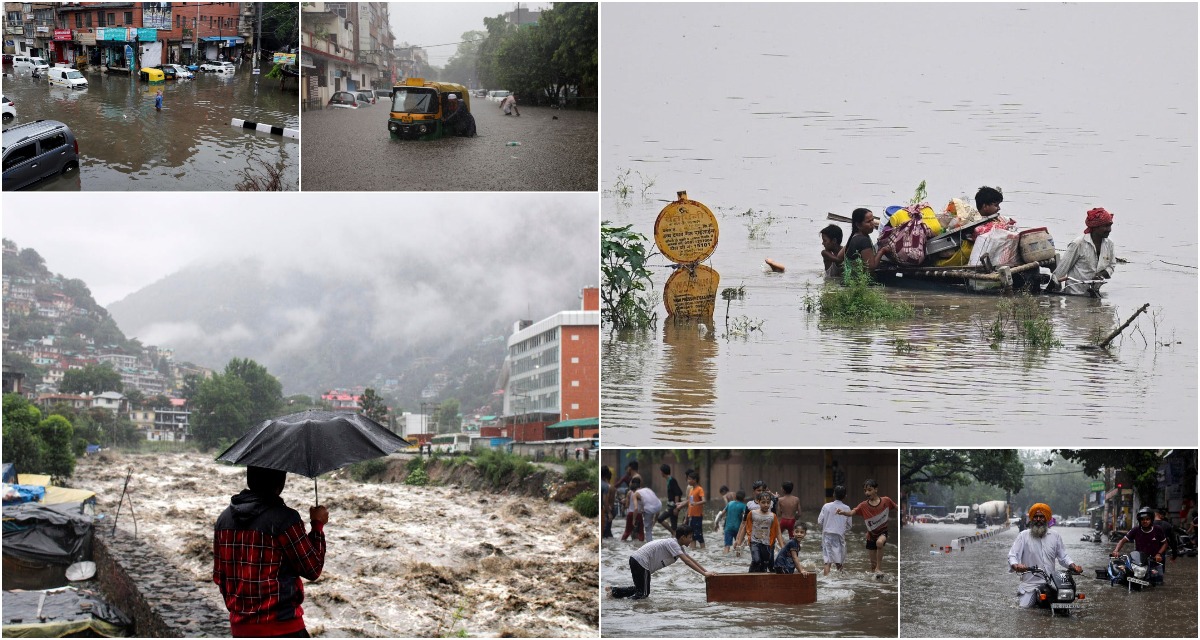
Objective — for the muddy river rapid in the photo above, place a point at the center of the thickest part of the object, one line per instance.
(773, 133)
(506, 565)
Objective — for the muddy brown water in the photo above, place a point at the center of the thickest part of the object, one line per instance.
(400, 561)
(351, 150)
(851, 603)
(849, 118)
(971, 594)
(126, 145)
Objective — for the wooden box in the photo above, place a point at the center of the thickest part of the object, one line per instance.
(780, 588)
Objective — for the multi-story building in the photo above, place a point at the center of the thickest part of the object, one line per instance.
(345, 46)
(171, 422)
(138, 34)
(554, 370)
(28, 28)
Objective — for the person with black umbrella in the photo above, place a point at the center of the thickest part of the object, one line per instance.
(260, 552)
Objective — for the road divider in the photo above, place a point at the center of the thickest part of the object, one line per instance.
(265, 128)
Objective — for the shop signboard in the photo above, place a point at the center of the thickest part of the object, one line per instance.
(62, 34)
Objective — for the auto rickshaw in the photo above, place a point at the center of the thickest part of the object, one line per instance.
(151, 74)
(418, 108)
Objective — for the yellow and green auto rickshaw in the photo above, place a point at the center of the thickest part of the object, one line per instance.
(151, 74)
(418, 108)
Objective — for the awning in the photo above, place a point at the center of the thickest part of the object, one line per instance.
(229, 39)
(580, 422)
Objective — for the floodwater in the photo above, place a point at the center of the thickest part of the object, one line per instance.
(126, 145)
(351, 150)
(401, 561)
(773, 132)
(971, 594)
(850, 603)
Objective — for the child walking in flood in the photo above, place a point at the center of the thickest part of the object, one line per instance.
(834, 528)
(158, 99)
(874, 511)
(761, 531)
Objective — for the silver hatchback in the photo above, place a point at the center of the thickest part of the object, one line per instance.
(37, 150)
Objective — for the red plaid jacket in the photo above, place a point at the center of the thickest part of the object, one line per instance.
(260, 552)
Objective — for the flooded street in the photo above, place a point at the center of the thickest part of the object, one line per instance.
(773, 138)
(852, 603)
(970, 593)
(126, 145)
(351, 150)
(509, 565)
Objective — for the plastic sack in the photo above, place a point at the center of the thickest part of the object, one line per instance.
(1001, 246)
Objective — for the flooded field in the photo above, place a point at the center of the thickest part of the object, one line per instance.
(126, 145)
(970, 593)
(851, 603)
(508, 565)
(775, 137)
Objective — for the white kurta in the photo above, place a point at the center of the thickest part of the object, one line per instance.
(1042, 552)
(1082, 263)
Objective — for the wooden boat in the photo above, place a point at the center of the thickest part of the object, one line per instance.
(781, 588)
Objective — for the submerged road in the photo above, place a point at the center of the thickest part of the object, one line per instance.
(351, 150)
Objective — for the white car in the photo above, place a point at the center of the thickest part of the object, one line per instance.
(181, 71)
(10, 110)
(498, 95)
(217, 67)
(34, 65)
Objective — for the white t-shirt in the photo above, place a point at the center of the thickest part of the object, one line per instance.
(658, 554)
(650, 502)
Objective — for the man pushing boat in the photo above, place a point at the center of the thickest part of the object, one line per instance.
(1090, 259)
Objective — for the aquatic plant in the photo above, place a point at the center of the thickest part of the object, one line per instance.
(729, 294)
(743, 327)
(902, 346)
(621, 186)
(757, 223)
(860, 300)
(1023, 320)
(625, 295)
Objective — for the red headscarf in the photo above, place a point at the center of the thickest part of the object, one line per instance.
(1097, 217)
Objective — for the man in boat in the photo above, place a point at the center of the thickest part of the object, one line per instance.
(1090, 259)
(458, 121)
(1037, 546)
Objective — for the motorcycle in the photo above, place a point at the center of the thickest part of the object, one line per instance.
(1095, 536)
(1058, 593)
(1133, 570)
(1187, 545)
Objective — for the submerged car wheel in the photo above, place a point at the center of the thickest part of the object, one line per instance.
(8, 117)
(70, 167)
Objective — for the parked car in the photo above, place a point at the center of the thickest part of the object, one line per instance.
(343, 100)
(10, 110)
(67, 77)
(213, 66)
(365, 97)
(33, 65)
(37, 150)
(181, 71)
(480, 93)
(169, 72)
(498, 95)
(1080, 521)
(383, 95)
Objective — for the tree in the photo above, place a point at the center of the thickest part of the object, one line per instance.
(94, 378)
(22, 441)
(21, 363)
(461, 67)
(228, 404)
(446, 416)
(136, 398)
(998, 467)
(1140, 464)
(373, 407)
(625, 284)
(58, 439)
(266, 392)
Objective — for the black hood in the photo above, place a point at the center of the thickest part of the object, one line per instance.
(248, 506)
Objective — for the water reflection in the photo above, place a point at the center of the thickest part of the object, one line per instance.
(126, 144)
(684, 393)
(970, 594)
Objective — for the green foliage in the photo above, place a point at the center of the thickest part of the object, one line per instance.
(586, 504)
(22, 444)
(1023, 320)
(551, 58)
(228, 404)
(373, 407)
(580, 471)
(368, 469)
(447, 417)
(920, 195)
(947, 467)
(500, 467)
(58, 447)
(417, 476)
(758, 223)
(625, 296)
(20, 363)
(1140, 464)
(93, 378)
(860, 301)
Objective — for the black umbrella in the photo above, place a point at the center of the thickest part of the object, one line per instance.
(313, 442)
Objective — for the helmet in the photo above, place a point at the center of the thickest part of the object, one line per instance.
(1145, 512)
(1041, 508)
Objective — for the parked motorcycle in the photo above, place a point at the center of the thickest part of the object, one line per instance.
(1134, 571)
(1058, 593)
(1187, 545)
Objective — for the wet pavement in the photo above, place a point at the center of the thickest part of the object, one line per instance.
(126, 145)
(351, 150)
(970, 593)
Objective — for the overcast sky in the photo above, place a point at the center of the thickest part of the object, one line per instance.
(548, 241)
(439, 23)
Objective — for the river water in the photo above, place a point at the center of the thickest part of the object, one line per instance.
(971, 594)
(772, 131)
(126, 145)
(851, 603)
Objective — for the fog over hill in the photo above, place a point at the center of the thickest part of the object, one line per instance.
(369, 294)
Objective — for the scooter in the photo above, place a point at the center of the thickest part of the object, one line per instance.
(1058, 593)
(1134, 571)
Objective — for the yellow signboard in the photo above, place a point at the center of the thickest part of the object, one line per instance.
(692, 292)
(686, 231)
(284, 58)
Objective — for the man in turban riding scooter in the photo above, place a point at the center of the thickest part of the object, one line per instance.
(1037, 546)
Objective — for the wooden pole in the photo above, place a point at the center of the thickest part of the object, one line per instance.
(1122, 327)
